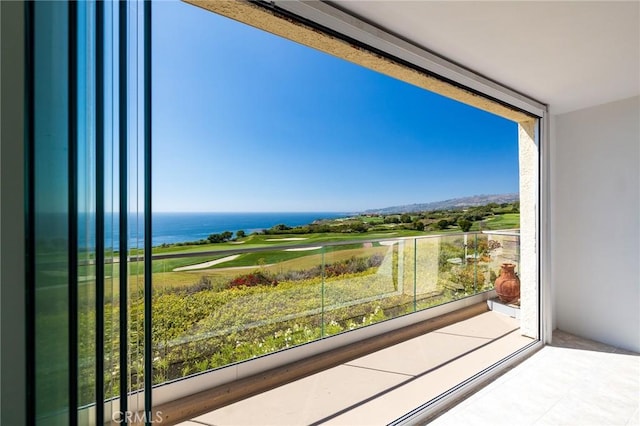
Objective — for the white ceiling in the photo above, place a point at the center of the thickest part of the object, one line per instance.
(567, 54)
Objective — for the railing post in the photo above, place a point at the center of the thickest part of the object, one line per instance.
(415, 274)
(475, 264)
(322, 297)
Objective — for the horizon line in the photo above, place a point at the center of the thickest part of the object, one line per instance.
(257, 212)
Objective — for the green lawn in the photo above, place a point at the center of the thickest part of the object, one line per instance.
(502, 221)
(279, 257)
(255, 241)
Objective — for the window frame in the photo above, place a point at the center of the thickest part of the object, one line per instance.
(464, 85)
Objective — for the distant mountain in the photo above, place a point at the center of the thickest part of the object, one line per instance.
(474, 200)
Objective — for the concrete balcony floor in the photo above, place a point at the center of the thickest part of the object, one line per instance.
(571, 382)
(381, 387)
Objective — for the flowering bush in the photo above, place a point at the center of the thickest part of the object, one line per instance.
(353, 265)
(253, 279)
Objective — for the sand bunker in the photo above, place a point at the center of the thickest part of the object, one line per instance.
(303, 248)
(286, 239)
(206, 264)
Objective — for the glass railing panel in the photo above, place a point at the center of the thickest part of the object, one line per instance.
(424, 262)
(212, 309)
(450, 267)
(502, 247)
(438, 262)
(364, 283)
(482, 261)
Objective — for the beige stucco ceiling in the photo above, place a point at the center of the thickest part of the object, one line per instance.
(570, 55)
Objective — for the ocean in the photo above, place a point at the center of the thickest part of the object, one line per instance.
(178, 227)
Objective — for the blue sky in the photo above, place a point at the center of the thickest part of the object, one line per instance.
(246, 121)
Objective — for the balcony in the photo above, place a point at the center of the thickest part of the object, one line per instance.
(226, 319)
(382, 387)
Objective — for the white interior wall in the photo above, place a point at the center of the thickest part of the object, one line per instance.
(595, 213)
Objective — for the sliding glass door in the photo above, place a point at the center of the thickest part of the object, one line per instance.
(88, 191)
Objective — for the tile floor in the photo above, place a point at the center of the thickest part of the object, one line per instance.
(572, 382)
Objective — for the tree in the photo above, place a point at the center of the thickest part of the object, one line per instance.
(405, 218)
(465, 225)
(219, 238)
(418, 225)
(391, 219)
(359, 227)
(240, 234)
(442, 224)
(215, 238)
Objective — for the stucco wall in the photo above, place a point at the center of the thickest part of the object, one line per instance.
(595, 214)
(528, 164)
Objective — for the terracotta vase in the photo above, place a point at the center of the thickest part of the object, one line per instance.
(508, 284)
